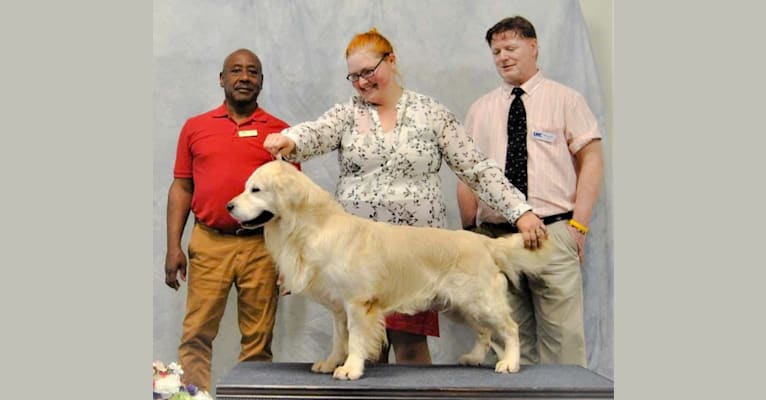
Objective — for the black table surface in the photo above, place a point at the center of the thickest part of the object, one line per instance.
(295, 380)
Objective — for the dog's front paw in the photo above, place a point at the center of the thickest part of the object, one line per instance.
(324, 366)
(470, 359)
(347, 374)
(505, 366)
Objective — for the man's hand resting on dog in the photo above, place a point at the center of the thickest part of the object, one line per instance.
(278, 144)
(532, 229)
(175, 263)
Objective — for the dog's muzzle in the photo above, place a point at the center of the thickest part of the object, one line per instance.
(261, 219)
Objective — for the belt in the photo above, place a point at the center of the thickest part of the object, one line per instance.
(546, 220)
(236, 232)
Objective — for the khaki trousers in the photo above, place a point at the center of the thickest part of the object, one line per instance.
(549, 307)
(216, 262)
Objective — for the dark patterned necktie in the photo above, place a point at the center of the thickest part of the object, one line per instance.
(516, 154)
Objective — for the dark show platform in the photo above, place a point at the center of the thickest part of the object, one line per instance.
(262, 380)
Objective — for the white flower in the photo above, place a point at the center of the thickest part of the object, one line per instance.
(159, 366)
(175, 368)
(167, 384)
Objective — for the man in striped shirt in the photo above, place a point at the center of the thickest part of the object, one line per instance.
(564, 166)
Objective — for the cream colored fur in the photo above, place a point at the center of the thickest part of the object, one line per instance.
(362, 270)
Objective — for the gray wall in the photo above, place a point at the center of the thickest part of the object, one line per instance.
(441, 52)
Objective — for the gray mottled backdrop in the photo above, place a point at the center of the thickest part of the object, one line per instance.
(301, 43)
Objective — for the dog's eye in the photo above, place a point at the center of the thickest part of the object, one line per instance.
(255, 189)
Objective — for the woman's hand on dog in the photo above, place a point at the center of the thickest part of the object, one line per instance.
(278, 144)
(532, 229)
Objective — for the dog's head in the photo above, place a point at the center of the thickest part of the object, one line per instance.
(264, 196)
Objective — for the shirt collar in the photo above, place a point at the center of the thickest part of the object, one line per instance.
(221, 112)
(529, 86)
(257, 116)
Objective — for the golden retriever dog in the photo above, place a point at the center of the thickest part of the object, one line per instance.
(361, 270)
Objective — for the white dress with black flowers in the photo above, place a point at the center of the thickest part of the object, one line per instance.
(393, 177)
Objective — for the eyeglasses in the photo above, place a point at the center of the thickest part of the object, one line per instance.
(366, 73)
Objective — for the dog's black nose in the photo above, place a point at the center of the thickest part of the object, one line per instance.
(229, 206)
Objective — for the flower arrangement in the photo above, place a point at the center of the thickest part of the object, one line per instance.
(166, 384)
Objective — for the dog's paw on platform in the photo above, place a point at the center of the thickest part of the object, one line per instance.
(471, 359)
(345, 373)
(505, 366)
(324, 366)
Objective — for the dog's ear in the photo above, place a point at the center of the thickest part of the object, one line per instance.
(286, 182)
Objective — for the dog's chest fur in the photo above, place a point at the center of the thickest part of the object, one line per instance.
(300, 274)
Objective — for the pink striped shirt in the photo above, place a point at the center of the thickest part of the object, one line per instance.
(559, 124)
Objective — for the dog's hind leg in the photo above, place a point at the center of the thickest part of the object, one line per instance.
(366, 331)
(483, 336)
(479, 351)
(339, 344)
(505, 329)
(476, 308)
(495, 317)
(508, 330)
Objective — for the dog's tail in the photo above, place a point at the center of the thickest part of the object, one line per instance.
(512, 258)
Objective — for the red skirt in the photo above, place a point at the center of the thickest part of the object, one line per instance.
(423, 323)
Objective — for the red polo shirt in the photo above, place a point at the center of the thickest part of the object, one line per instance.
(219, 155)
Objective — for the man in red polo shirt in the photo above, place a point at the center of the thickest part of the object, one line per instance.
(217, 151)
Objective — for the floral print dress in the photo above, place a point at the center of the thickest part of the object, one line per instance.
(394, 176)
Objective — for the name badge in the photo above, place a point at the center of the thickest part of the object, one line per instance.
(544, 136)
(250, 133)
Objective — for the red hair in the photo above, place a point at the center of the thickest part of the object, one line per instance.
(369, 40)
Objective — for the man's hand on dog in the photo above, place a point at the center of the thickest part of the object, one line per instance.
(532, 230)
(175, 263)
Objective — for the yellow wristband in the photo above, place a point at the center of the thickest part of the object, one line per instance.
(580, 227)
